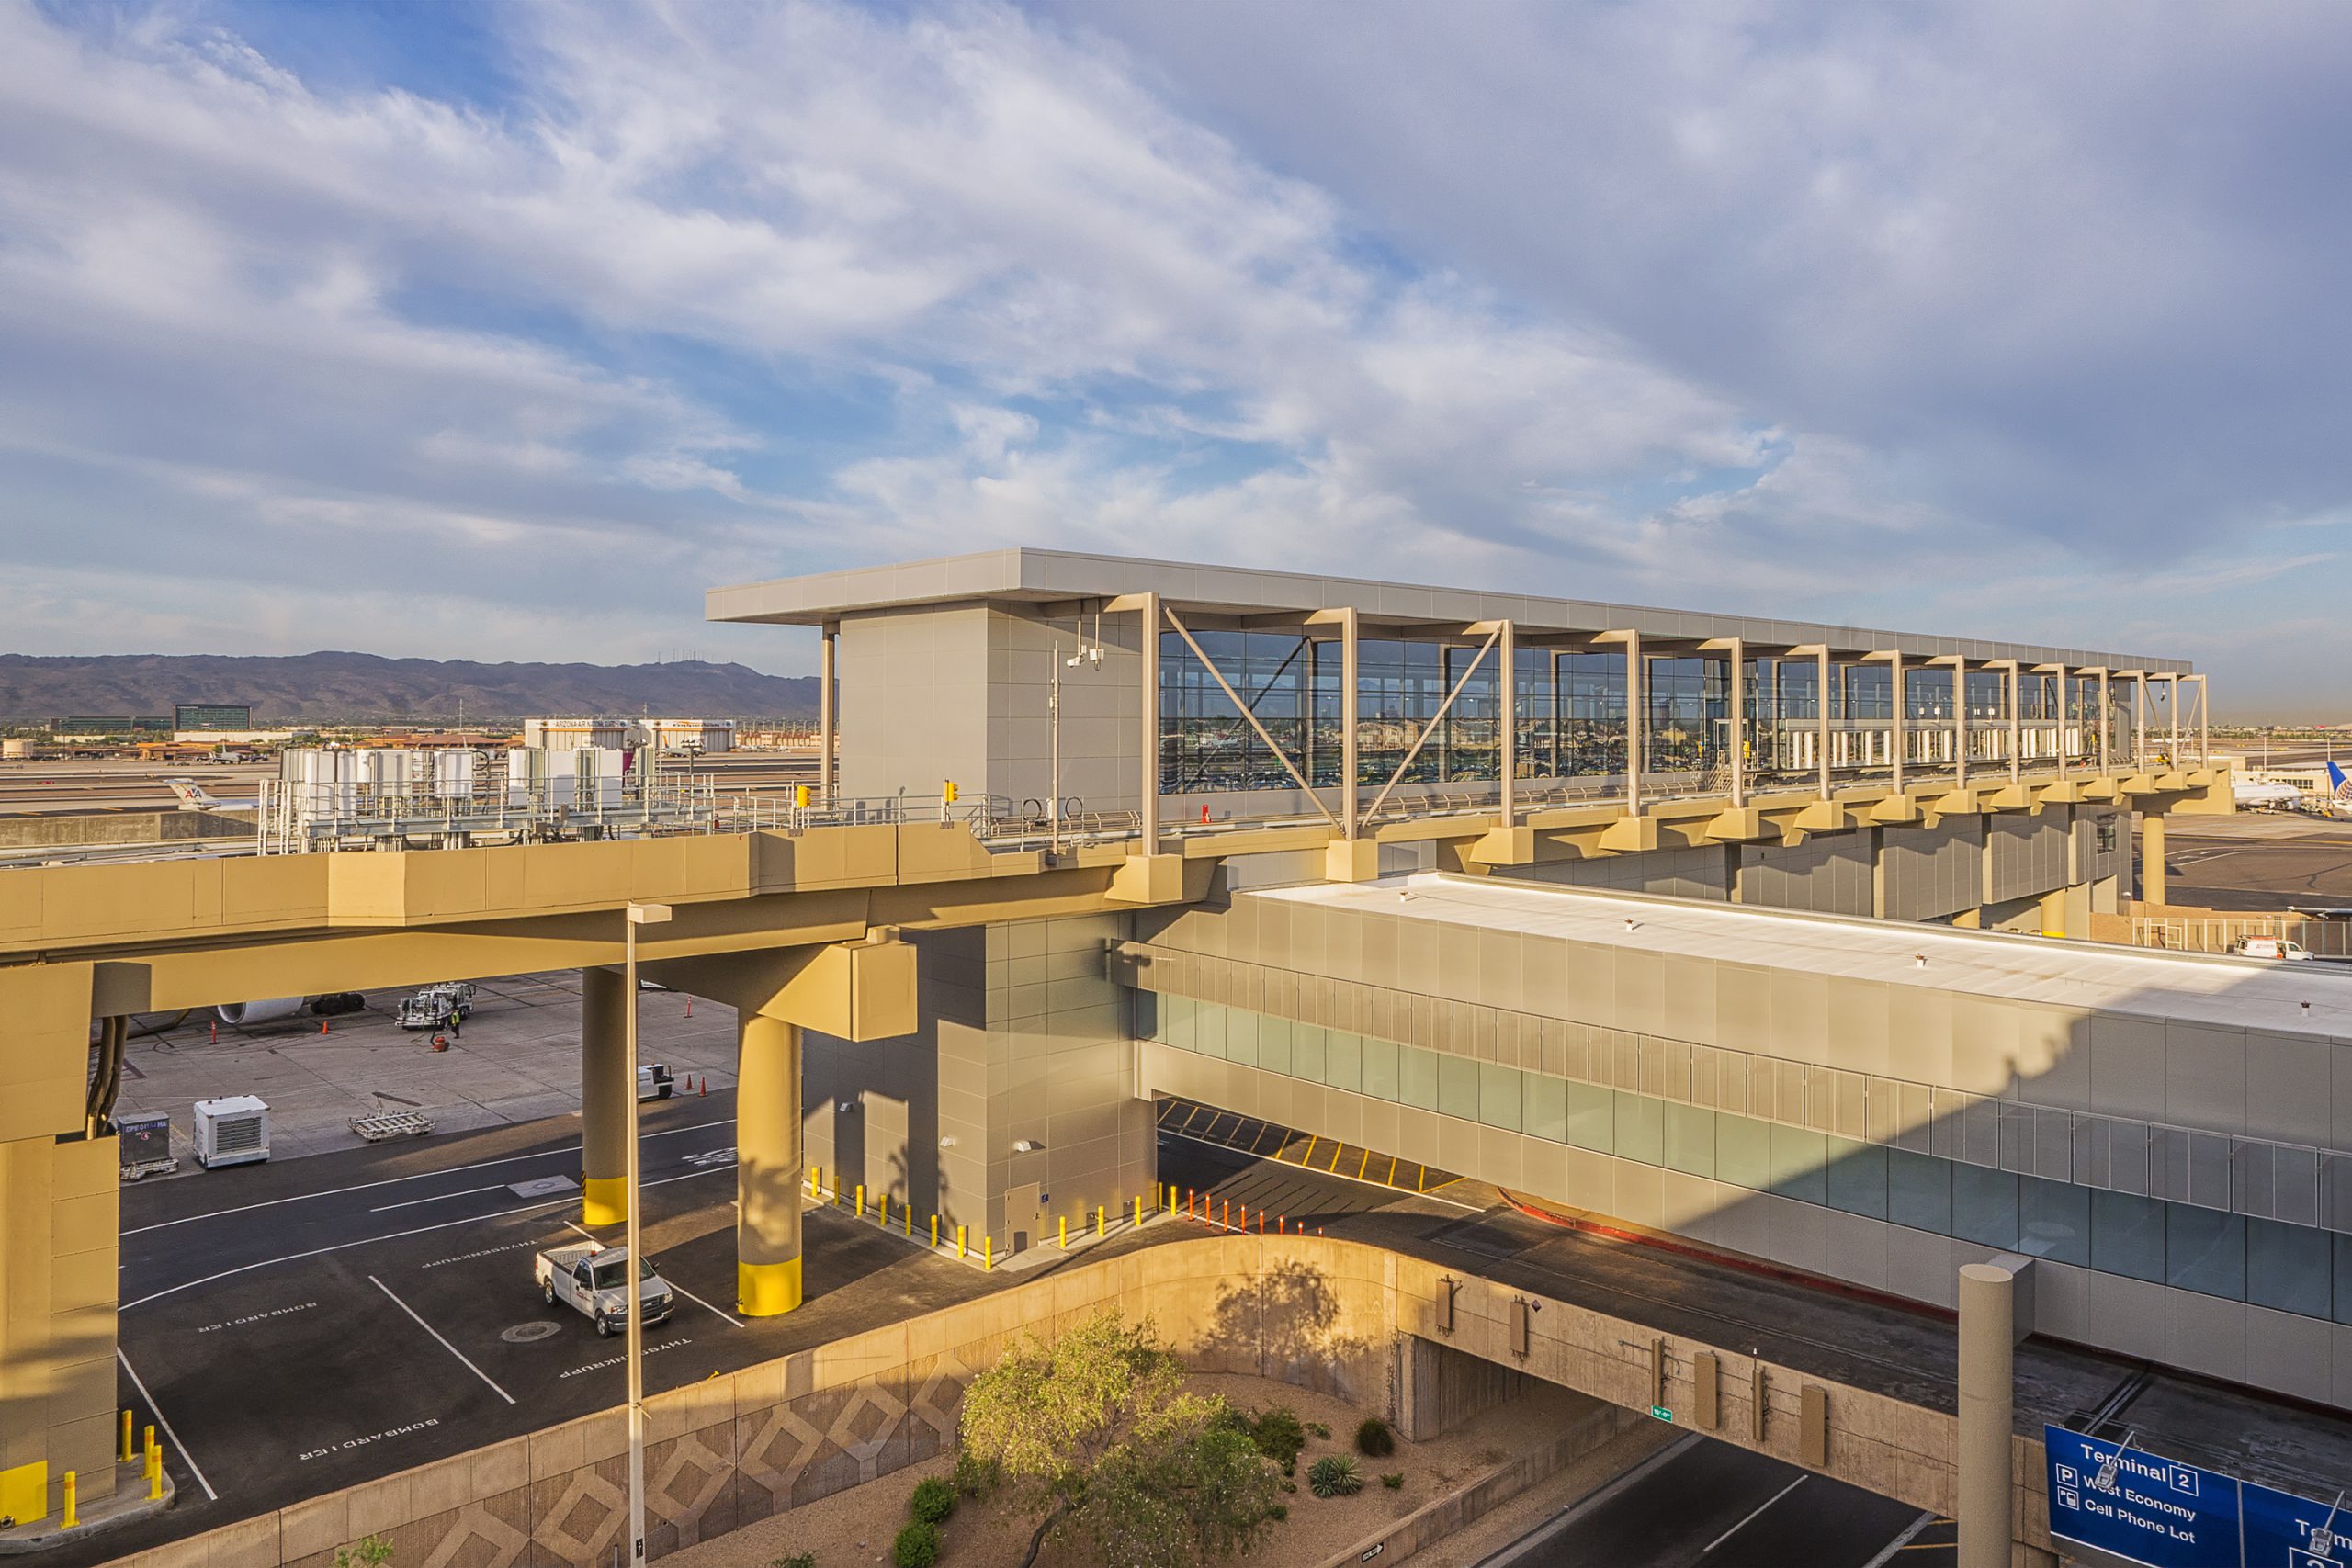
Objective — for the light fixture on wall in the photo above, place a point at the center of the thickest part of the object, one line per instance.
(947, 1143)
(846, 1107)
(1026, 1146)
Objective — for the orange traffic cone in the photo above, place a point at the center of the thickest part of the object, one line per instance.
(322, 1026)
(690, 1007)
(706, 1083)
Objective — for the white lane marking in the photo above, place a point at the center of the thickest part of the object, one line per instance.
(337, 1246)
(1886, 1552)
(438, 1197)
(165, 1422)
(396, 1181)
(445, 1344)
(1310, 1171)
(1752, 1517)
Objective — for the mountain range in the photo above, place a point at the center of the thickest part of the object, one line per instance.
(359, 688)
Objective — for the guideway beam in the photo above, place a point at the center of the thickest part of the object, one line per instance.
(856, 991)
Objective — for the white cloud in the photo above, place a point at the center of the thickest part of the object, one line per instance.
(1825, 313)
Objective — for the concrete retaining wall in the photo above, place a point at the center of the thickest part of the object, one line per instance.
(1323, 1314)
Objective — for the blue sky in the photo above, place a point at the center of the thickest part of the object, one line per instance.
(501, 331)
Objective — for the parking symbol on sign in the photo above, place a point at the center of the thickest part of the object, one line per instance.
(2069, 1498)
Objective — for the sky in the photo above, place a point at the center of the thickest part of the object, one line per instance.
(501, 331)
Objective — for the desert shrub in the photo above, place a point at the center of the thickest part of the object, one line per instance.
(917, 1546)
(1334, 1475)
(795, 1560)
(932, 1501)
(1394, 1480)
(1278, 1511)
(1375, 1440)
(1279, 1436)
(975, 1477)
(1319, 1429)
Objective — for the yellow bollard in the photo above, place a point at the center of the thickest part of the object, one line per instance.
(125, 1455)
(71, 1519)
(987, 1252)
(155, 1474)
(1064, 1223)
(813, 1181)
(886, 1210)
(935, 1232)
(910, 1213)
(860, 1200)
(960, 1251)
(1100, 1229)
(152, 1449)
(1138, 1212)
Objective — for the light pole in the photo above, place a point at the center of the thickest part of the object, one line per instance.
(634, 1267)
(1092, 656)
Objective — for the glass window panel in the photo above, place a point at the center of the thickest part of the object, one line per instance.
(2287, 1268)
(1273, 1043)
(1858, 1178)
(1241, 1036)
(2344, 1278)
(1208, 1036)
(1743, 1152)
(1457, 1087)
(1918, 1192)
(1798, 1156)
(1690, 1139)
(2128, 1236)
(1547, 1107)
(2205, 1251)
(1641, 1128)
(1344, 1060)
(1151, 1017)
(1380, 1068)
(1500, 1091)
(1417, 1077)
(1181, 1011)
(1306, 1051)
(1984, 1206)
(2054, 1220)
(1591, 1117)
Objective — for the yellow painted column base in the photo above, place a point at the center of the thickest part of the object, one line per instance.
(24, 1492)
(767, 1290)
(605, 1200)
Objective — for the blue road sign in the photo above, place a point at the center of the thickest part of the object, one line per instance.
(2286, 1531)
(2142, 1506)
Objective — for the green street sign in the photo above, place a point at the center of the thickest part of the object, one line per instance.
(1660, 1413)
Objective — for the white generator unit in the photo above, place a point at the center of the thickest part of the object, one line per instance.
(232, 1131)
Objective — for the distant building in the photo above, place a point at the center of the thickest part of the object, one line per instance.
(620, 734)
(209, 717)
(107, 724)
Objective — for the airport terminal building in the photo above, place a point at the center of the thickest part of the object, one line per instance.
(1716, 927)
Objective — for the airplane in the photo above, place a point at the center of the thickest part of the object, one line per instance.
(2339, 793)
(194, 796)
(2246, 793)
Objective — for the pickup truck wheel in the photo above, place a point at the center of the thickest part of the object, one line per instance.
(547, 1292)
(603, 1328)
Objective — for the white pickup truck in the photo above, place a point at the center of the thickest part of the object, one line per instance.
(591, 1278)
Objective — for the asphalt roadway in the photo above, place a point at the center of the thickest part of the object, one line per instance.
(1701, 1501)
(301, 1326)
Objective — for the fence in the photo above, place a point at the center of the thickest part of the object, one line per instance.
(2222, 934)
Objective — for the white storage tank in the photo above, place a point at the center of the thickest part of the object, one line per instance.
(234, 1130)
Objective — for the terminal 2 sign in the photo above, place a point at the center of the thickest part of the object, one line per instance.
(2146, 1508)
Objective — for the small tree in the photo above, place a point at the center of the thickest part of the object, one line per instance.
(1098, 1436)
(371, 1551)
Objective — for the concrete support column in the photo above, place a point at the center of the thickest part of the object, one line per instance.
(1348, 813)
(767, 1166)
(1896, 739)
(605, 1092)
(826, 722)
(1987, 1373)
(1633, 700)
(2103, 716)
(1507, 687)
(1149, 783)
(1738, 722)
(2151, 858)
(1821, 705)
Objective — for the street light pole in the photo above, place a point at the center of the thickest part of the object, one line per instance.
(633, 1268)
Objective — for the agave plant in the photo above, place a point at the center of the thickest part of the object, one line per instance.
(1334, 1475)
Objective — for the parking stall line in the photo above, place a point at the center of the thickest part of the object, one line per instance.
(166, 1423)
(396, 1181)
(445, 1344)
